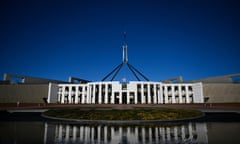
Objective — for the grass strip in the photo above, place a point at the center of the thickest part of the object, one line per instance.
(132, 114)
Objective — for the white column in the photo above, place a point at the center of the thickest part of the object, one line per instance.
(83, 95)
(63, 94)
(160, 95)
(76, 94)
(93, 94)
(59, 94)
(70, 95)
(120, 97)
(112, 98)
(166, 94)
(142, 94)
(187, 94)
(88, 94)
(173, 95)
(67, 95)
(106, 94)
(128, 98)
(180, 93)
(155, 94)
(100, 94)
(149, 94)
(135, 97)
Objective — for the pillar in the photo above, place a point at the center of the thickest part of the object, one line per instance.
(187, 94)
(93, 94)
(112, 98)
(180, 93)
(70, 95)
(135, 97)
(128, 98)
(88, 94)
(154, 93)
(160, 95)
(63, 94)
(166, 94)
(106, 94)
(142, 94)
(149, 94)
(76, 94)
(83, 95)
(120, 97)
(173, 94)
(100, 94)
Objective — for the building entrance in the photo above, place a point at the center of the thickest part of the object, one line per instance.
(124, 97)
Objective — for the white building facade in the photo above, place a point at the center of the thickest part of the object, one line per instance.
(133, 92)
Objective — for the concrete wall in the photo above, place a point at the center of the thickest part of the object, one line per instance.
(218, 79)
(30, 80)
(222, 92)
(23, 93)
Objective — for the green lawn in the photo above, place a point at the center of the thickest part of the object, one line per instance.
(133, 114)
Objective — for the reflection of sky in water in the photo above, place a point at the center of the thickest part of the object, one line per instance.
(66, 133)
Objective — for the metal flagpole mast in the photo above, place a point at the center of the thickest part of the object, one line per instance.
(134, 71)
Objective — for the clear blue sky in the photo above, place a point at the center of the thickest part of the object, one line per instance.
(83, 38)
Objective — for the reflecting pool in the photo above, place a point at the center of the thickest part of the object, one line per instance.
(33, 129)
(51, 132)
(180, 133)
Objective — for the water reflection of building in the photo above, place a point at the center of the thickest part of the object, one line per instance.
(66, 133)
